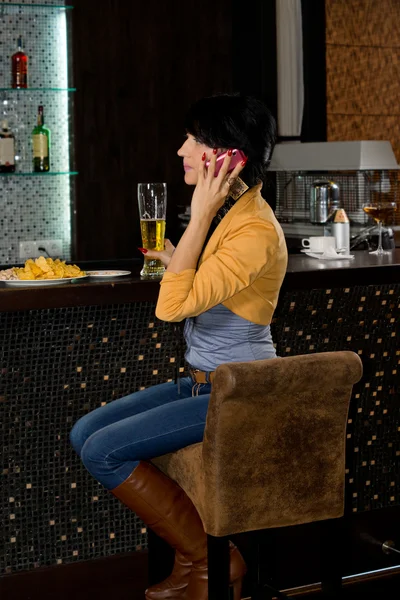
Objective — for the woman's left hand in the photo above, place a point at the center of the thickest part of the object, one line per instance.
(163, 255)
(210, 192)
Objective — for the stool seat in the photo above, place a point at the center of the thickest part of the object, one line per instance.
(273, 453)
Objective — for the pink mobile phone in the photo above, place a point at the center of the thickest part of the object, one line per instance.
(237, 157)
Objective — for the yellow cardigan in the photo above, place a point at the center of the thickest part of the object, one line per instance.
(242, 267)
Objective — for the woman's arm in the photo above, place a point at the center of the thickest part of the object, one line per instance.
(188, 250)
(208, 197)
(246, 253)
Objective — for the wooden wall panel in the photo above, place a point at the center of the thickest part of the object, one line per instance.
(363, 70)
(362, 127)
(363, 80)
(363, 22)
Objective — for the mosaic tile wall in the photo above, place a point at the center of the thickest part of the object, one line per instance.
(35, 218)
(59, 364)
(363, 70)
(40, 204)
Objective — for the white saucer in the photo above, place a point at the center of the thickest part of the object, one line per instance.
(313, 251)
(338, 257)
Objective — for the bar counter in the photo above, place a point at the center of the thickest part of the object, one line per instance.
(69, 349)
(303, 273)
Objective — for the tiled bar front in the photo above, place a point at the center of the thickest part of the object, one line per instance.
(58, 363)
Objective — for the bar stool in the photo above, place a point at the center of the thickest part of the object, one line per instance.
(273, 454)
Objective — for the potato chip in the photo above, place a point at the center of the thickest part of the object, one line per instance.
(47, 268)
(42, 263)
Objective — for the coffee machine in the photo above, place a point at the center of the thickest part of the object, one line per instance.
(324, 197)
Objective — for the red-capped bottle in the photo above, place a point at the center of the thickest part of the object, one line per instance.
(19, 68)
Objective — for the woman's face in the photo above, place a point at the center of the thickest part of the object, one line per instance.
(192, 151)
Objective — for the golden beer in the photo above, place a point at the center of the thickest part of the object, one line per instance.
(152, 201)
(153, 232)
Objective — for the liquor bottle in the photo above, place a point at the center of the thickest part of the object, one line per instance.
(7, 149)
(19, 66)
(41, 144)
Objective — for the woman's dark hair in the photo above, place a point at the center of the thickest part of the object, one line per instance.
(235, 121)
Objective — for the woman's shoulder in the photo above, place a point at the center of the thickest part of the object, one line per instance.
(257, 219)
(254, 212)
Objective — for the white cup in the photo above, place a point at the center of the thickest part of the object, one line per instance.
(319, 243)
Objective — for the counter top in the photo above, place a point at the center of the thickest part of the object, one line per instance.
(303, 273)
(301, 263)
(363, 269)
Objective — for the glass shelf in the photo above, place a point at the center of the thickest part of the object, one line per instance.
(13, 5)
(49, 174)
(27, 90)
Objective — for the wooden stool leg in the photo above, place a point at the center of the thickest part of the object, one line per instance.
(332, 547)
(218, 568)
(259, 561)
(263, 559)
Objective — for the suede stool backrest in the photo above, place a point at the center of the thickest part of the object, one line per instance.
(273, 453)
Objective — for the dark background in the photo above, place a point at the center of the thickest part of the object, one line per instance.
(137, 68)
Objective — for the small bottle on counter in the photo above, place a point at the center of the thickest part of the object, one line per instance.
(7, 149)
(338, 226)
(19, 68)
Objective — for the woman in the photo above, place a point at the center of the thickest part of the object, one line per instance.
(226, 287)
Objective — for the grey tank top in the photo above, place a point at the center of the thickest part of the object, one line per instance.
(219, 336)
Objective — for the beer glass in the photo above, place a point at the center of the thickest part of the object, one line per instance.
(152, 199)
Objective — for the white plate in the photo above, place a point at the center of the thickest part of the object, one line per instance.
(108, 274)
(40, 282)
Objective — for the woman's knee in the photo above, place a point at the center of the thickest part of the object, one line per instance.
(96, 457)
(93, 454)
(79, 434)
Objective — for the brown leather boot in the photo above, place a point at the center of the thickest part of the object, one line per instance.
(197, 588)
(170, 513)
(173, 586)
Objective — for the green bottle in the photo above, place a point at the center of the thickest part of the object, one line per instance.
(41, 145)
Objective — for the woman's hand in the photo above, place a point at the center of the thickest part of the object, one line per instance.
(163, 255)
(210, 192)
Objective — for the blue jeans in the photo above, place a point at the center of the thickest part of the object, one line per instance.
(112, 439)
